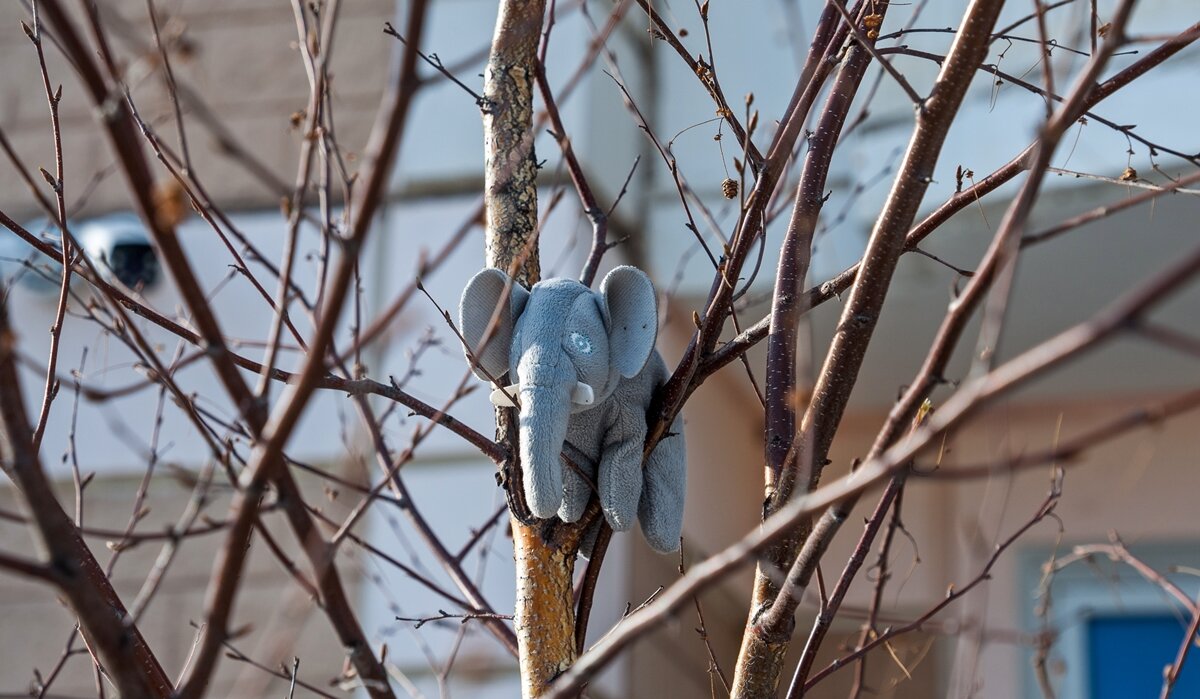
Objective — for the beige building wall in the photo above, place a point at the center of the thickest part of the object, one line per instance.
(240, 55)
(240, 80)
(1141, 485)
(278, 619)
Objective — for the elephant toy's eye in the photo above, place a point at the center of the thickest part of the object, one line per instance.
(581, 343)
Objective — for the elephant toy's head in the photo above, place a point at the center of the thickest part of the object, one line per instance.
(564, 347)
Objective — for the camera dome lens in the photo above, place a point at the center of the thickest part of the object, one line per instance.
(134, 265)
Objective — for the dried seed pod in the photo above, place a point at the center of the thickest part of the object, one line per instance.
(729, 188)
(171, 203)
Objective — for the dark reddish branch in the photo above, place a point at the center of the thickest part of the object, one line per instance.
(799, 686)
(883, 574)
(976, 395)
(102, 616)
(26, 567)
(266, 463)
(809, 449)
(1000, 254)
(834, 287)
(794, 259)
(587, 587)
(764, 645)
(827, 40)
(786, 307)
(587, 197)
(861, 313)
(708, 78)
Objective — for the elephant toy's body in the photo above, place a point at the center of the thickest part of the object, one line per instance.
(585, 371)
(616, 430)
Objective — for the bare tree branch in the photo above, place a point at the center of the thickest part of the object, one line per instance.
(102, 616)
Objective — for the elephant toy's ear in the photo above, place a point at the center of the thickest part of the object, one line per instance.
(484, 293)
(631, 313)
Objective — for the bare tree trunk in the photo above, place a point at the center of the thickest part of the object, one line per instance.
(764, 647)
(767, 635)
(510, 170)
(544, 551)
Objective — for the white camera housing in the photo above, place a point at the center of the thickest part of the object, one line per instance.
(121, 250)
(117, 245)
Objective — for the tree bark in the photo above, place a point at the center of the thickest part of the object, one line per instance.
(766, 637)
(544, 551)
(839, 373)
(510, 169)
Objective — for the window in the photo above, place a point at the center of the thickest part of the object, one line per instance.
(1127, 653)
(1114, 631)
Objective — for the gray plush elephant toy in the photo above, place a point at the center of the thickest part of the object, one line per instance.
(585, 369)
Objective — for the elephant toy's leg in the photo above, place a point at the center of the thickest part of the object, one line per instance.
(661, 508)
(619, 478)
(578, 486)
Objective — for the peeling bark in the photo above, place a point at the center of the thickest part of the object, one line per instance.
(545, 615)
(510, 168)
(544, 551)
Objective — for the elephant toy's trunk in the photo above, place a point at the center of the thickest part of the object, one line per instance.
(545, 410)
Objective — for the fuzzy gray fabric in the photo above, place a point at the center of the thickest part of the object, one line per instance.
(561, 344)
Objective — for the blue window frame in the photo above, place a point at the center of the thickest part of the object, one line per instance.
(1114, 631)
(1127, 653)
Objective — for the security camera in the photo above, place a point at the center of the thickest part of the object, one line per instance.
(120, 249)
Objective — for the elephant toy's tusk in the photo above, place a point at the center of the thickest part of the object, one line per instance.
(582, 395)
(502, 397)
